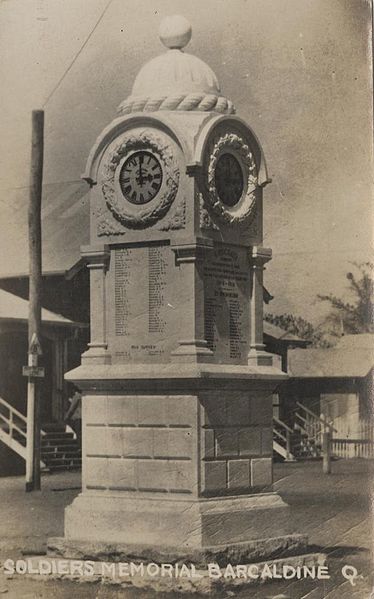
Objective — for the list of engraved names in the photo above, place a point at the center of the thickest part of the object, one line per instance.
(226, 274)
(139, 290)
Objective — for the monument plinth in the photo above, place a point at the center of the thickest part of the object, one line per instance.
(177, 388)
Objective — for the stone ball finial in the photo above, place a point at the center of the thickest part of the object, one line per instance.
(175, 32)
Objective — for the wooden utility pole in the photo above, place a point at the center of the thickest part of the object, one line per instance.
(326, 452)
(35, 283)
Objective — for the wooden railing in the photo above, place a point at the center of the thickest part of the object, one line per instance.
(353, 440)
(312, 424)
(13, 428)
(352, 448)
(282, 439)
(357, 442)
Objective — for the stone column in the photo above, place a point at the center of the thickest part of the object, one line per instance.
(97, 258)
(189, 257)
(258, 257)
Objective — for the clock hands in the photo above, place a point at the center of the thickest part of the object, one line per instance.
(140, 178)
(143, 178)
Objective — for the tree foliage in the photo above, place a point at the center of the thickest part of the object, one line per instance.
(357, 316)
(346, 317)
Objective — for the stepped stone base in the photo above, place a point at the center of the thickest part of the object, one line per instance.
(204, 571)
(185, 523)
(186, 546)
(182, 545)
(257, 550)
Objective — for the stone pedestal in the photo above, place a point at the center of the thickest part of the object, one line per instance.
(176, 456)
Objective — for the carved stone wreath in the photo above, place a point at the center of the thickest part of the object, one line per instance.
(132, 216)
(244, 213)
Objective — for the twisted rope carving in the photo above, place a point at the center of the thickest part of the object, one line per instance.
(201, 102)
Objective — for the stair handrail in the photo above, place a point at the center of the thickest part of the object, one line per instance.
(279, 435)
(304, 421)
(286, 437)
(315, 416)
(13, 411)
(282, 424)
(9, 420)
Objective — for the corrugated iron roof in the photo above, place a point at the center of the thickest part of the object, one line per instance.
(273, 331)
(13, 307)
(362, 341)
(346, 362)
(65, 227)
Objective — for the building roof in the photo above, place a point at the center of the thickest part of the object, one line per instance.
(65, 226)
(277, 333)
(13, 308)
(362, 341)
(348, 361)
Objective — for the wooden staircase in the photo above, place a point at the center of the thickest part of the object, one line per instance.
(60, 448)
(305, 447)
(282, 441)
(304, 441)
(310, 428)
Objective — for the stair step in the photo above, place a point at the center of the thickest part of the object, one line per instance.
(61, 460)
(61, 448)
(58, 435)
(64, 461)
(54, 427)
(65, 467)
(55, 442)
(61, 454)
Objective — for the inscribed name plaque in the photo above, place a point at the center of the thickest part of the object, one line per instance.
(226, 285)
(141, 293)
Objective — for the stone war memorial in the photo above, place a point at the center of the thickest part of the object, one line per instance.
(176, 385)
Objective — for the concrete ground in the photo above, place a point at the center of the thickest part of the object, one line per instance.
(334, 510)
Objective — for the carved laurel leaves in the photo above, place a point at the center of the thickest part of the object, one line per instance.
(136, 217)
(244, 213)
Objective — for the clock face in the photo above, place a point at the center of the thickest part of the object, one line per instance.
(140, 177)
(229, 179)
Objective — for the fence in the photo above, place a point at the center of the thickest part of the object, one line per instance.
(354, 443)
(352, 448)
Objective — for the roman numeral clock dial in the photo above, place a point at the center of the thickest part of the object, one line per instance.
(140, 177)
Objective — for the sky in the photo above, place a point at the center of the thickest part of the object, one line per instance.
(298, 71)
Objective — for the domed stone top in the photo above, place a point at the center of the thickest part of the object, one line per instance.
(176, 80)
(175, 73)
